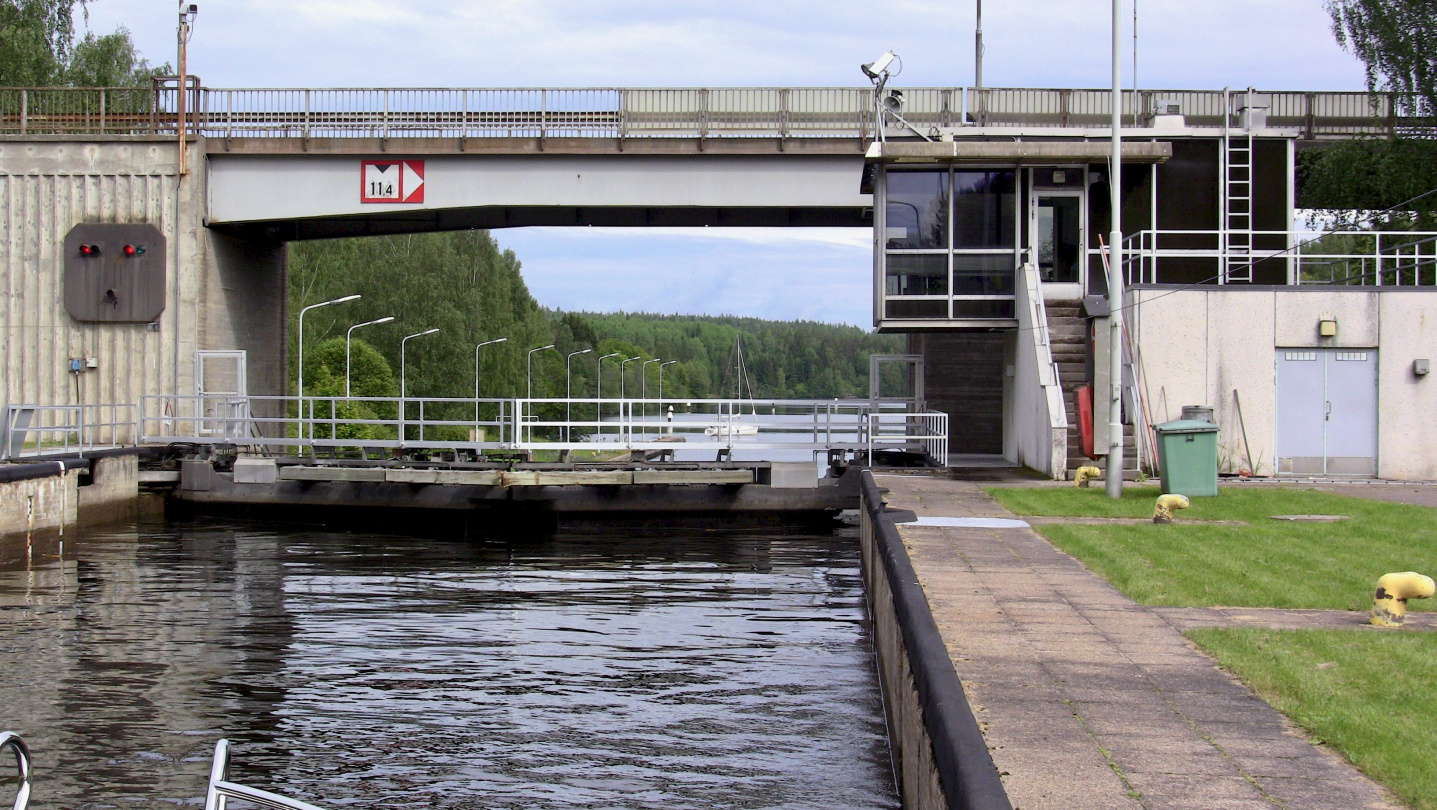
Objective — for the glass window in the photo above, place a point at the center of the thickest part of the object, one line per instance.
(917, 274)
(917, 212)
(982, 275)
(983, 209)
(1058, 238)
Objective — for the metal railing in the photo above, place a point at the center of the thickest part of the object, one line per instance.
(1337, 258)
(11, 740)
(221, 789)
(36, 430)
(721, 112)
(585, 424)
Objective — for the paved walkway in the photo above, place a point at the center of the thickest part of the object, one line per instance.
(1089, 700)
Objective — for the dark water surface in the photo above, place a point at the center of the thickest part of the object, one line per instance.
(691, 670)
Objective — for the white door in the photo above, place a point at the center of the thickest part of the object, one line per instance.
(1057, 223)
(1327, 411)
(220, 393)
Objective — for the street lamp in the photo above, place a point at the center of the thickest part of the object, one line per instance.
(529, 367)
(661, 393)
(623, 363)
(643, 387)
(402, 389)
(343, 300)
(599, 387)
(347, 335)
(661, 382)
(568, 408)
(476, 375)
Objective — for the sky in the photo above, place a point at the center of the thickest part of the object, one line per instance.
(816, 274)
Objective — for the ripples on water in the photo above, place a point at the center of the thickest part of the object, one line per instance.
(697, 669)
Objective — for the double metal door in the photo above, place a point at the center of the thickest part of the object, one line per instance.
(1327, 411)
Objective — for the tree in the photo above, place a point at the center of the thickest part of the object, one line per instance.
(1397, 41)
(38, 48)
(109, 61)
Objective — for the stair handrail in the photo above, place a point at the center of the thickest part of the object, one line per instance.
(221, 789)
(13, 741)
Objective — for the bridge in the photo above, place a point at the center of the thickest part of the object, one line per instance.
(263, 167)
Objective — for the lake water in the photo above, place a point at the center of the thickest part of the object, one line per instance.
(690, 670)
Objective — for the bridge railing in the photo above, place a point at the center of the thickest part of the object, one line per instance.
(721, 112)
(37, 430)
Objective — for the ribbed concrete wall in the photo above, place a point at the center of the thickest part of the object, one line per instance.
(220, 293)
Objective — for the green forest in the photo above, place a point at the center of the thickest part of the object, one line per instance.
(464, 285)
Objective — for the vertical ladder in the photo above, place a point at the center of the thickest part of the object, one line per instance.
(1237, 166)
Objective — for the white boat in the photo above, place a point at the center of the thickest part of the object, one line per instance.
(728, 426)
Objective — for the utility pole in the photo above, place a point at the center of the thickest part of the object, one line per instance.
(187, 20)
(978, 50)
(1115, 273)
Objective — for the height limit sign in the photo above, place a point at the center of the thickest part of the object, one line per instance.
(391, 181)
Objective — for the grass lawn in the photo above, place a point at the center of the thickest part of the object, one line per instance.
(1370, 695)
(1267, 563)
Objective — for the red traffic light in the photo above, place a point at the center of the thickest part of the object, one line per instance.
(129, 250)
(89, 250)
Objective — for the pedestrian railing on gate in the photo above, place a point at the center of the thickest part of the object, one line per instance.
(583, 424)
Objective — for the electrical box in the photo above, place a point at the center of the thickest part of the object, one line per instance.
(114, 273)
(1421, 367)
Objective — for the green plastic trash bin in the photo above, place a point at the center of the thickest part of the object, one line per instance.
(1187, 455)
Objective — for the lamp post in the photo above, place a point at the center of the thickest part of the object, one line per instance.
(661, 390)
(476, 377)
(644, 387)
(1114, 482)
(347, 335)
(599, 388)
(623, 363)
(568, 407)
(330, 302)
(529, 367)
(403, 390)
(661, 382)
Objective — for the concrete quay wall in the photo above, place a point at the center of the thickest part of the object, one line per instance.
(939, 755)
(39, 497)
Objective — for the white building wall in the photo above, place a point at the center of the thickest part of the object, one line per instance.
(1199, 346)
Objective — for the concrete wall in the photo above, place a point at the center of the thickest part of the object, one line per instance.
(1199, 346)
(39, 504)
(919, 785)
(113, 492)
(1035, 421)
(221, 293)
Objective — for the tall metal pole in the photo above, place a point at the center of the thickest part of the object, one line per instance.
(623, 363)
(568, 391)
(644, 385)
(403, 390)
(348, 333)
(301, 343)
(529, 368)
(476, 375)
(599, 391)
(1115, 272)
(978, 50)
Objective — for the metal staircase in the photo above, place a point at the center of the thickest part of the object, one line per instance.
(1236, 186)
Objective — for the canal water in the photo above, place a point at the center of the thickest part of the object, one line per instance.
(682, 669)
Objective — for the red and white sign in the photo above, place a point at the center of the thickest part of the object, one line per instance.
(391, 181)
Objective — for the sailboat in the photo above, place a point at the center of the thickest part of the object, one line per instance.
(729, 425)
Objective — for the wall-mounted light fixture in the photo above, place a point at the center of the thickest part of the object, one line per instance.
(1422, 367)
(1327, 327)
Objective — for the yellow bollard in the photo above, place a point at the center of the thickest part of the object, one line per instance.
(1389, 604)
(1084, 475)
(1166, 505)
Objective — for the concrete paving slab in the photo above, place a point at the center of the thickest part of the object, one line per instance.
(1090, 700)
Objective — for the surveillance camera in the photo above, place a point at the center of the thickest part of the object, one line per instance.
(876, 68)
